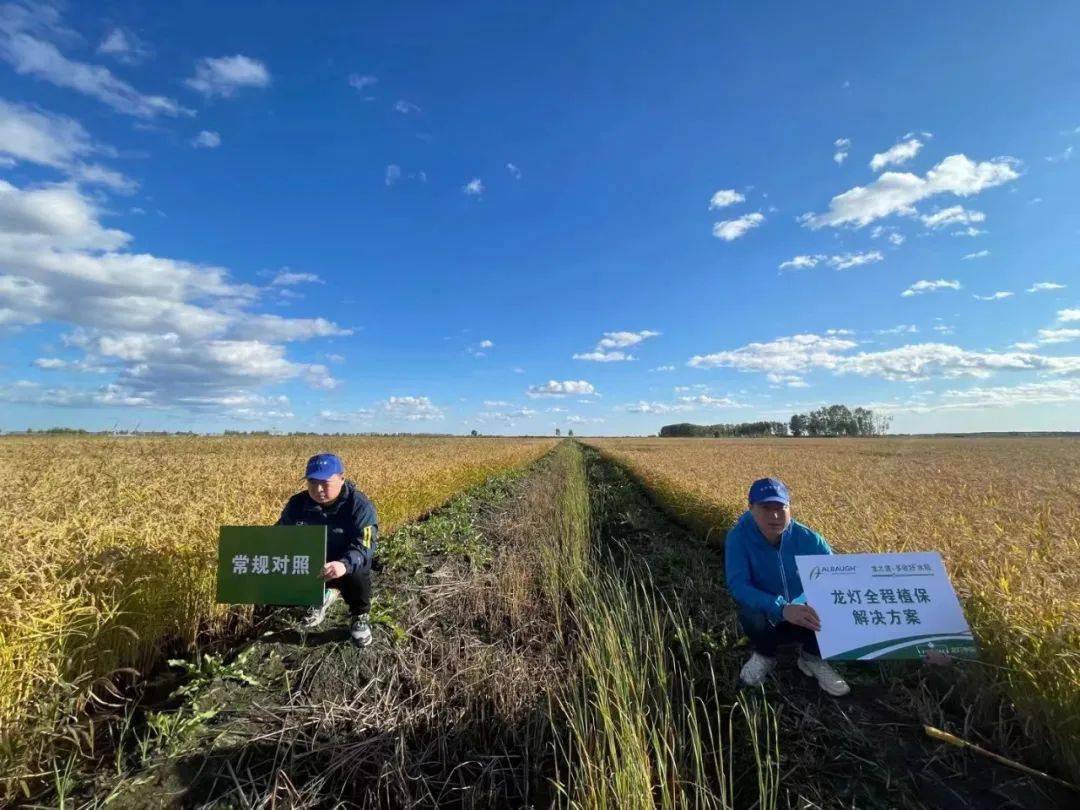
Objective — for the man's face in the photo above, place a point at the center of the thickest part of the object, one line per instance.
(771, 517)
(324, 492)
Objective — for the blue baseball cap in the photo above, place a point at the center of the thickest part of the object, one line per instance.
(765, 490)
(323, 467)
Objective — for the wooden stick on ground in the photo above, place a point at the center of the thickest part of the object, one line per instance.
(952, 739)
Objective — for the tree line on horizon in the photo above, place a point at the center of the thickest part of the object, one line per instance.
(828, 420)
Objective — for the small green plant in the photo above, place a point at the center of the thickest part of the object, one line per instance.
(170, 732)
(205, 668)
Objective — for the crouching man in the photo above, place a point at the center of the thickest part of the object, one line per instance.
(351, 531)
(759, 561)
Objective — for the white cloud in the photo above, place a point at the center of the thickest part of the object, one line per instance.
(59, 364)
(274, 328)
(361, 82)
(849, 260)
(683, 404)
(802, 353)
(496, 403)
(507, 416)
(924, 286)
(790, 380)
(663, 368)
(842, 146)
(978, 254)
(1068, 315)
(406, 107)
(782, 356)
(840, 262)
(341, 417)
(650, 407)
(895, 155)
(56, 216)
(555, 388)
(392, 175)
(802, 262)
(604, 357)
(170, 330)
(1050, 392)
(206, 140)
(124, 46)
(1058, 335)
(56, 141)
(413, 409)
(223, 76)
(898, 192)
(287, 278)
(724, 198)
(902, 329)
(40, 137)
(474, 188)
(574, 419)
(1045, 286)
(994, 296)
(515, 172)
(29, 55)
(732, 229)
(609, 347)
(486, 344)
(953, 215)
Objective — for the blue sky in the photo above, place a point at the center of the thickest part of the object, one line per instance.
(512, 217)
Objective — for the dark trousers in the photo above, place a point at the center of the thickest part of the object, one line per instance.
(765, 637)
(355, 589)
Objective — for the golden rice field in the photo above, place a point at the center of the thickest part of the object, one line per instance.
(110, 546)
(1004, 513)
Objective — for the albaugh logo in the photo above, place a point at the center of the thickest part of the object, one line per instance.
(819, 571)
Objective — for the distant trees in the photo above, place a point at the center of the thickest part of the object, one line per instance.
(829, 420)
(839, 420)
(558, 432)
(740, 430)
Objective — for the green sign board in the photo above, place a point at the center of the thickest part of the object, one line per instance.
(271, 565)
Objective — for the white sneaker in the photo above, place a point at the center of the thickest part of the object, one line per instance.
(827, 677)
(360, 630)
(756, 669)
(315, 615)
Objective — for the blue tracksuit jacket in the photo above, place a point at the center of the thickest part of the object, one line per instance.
(761, 577)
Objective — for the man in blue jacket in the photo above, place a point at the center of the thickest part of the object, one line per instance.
(759, 560)
(351, 531)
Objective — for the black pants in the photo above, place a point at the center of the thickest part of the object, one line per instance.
(355, 590)
(765, 637)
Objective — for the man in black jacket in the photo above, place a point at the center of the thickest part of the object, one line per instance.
(351, 532)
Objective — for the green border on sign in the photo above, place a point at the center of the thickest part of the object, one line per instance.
(258, 565)
(912, 647)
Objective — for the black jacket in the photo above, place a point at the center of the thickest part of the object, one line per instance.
(352, 526)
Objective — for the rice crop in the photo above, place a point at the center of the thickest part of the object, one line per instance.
(110, 551)
(1004, 513)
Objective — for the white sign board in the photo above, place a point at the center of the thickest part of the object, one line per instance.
(875, 606)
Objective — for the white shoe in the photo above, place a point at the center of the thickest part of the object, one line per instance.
(360, 630)
(756, 669)
(827, 677)
(315, 615)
